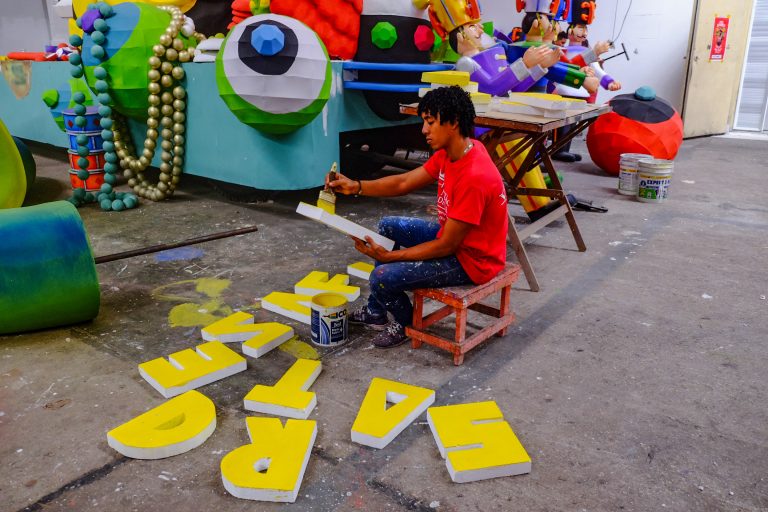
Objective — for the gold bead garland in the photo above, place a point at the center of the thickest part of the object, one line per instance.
(166, 118)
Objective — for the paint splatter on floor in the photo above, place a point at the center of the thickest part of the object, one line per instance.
(180, 254)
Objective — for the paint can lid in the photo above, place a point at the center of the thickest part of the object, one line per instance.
(633, 158)
(656, 164)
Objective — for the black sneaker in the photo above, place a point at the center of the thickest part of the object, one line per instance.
(363, 317)
(392, 337)
(565, 156)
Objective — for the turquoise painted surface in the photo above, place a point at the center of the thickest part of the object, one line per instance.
(218, 145)
(47, 273)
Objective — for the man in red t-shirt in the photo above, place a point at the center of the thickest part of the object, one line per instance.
(467, 245)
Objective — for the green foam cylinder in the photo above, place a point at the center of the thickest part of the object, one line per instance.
(47, 272)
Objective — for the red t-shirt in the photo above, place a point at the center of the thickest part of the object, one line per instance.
(471, 190)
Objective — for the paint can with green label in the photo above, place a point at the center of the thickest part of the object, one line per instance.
(329, 325)
(628, 172)
(654, 177)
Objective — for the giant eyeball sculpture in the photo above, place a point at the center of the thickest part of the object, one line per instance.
(274, 74)
(131, 58)
(640, 123)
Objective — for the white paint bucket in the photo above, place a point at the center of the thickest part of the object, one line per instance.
(654, 177)
(628, 165)
(328, 324)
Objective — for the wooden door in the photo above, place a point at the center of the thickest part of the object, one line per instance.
(713, 84)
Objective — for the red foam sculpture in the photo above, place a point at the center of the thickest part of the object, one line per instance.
(337, 22)
(635, 126)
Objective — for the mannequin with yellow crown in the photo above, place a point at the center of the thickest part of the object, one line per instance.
(481, 55)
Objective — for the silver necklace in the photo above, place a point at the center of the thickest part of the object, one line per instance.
(469, 146)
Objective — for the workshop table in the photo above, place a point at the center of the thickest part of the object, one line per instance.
(527, 132)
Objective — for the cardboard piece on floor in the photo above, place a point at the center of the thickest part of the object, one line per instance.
(271, 468)
(191, 369)
(289, 396)
(318, 282)
(360, 269)
(476, 442)
(343, 225)
(376, 424)
(174, 427)
(258, 339)
(292, 305)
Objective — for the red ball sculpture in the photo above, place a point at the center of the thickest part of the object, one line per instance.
(639, 123)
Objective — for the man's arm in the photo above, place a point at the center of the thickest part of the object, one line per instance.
(452, 236)
(388, 186)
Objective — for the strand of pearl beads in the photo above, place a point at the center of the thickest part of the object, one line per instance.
(165, 116)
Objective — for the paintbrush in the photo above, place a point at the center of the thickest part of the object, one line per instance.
(327, 199)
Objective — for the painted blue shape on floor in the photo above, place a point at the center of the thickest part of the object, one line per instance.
(182, 253)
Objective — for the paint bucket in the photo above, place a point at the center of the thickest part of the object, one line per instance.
(628, 165)
(329, 325)
(654, 177)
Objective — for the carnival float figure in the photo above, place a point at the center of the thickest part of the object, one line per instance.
(480, 55)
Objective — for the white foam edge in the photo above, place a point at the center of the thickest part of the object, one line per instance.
(352, 271)
(381, 442)
(272, 494)
(204, 380)
(162, 452)
(343, 225)
(473, 475)
(256, 352)
(293, 315)
(281, 410)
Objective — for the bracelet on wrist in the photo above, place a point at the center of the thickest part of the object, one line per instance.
(359, 189)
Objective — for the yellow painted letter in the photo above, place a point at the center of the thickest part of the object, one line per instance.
(289, 397)
(288, 304)
(317, 282)
(376, 425)
(272, 466)
(174, 427)
(190, 369)
(476, 442)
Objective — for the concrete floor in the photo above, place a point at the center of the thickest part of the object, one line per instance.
(635, 379)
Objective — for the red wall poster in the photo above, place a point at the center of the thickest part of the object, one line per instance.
(719, 37)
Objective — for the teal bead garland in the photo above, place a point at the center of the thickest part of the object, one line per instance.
(107, 198)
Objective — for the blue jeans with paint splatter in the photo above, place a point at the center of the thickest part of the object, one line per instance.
(390, 281)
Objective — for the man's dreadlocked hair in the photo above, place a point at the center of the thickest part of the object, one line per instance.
(450, 104)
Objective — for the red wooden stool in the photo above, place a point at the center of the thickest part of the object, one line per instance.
(459, 299)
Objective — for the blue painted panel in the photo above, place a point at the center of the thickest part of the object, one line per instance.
(218, 145)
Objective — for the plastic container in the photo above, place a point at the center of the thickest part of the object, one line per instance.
(628, 165)
(329, 324)
(654, 177)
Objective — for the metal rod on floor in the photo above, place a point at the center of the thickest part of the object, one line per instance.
(165, 247)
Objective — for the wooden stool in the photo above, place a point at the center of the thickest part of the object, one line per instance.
(458, 299)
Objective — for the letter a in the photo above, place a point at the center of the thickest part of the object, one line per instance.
(271, 468)
(476, 442)
(174, 427)
(376, 425)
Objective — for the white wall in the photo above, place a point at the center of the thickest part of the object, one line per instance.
(29, 25)
(656, 33)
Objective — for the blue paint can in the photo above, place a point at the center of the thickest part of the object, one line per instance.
(329, 325)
